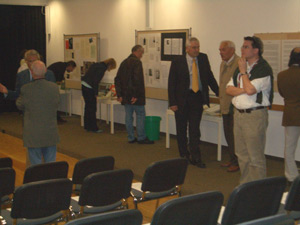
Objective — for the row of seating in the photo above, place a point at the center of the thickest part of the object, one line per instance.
(253, 203)
(250, 201)
(104, 190)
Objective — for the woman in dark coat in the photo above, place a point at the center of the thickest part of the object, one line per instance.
(89, 83)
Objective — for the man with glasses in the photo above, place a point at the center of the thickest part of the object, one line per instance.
(25, 76)
(252, 88)
(189, 78)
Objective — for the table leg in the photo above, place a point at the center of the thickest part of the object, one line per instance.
(219, 157)
(70, 103)
(82, 111)
(112, 131)
(167, 131)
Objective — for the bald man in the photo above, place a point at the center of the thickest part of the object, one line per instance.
(289, 88)
(39, 101)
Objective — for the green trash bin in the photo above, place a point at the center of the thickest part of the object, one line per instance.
(152, 127)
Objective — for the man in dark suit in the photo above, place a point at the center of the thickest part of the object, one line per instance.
(189, 78)
(39, 101)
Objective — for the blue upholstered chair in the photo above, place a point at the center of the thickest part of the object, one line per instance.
(254, 200)
(196, 209)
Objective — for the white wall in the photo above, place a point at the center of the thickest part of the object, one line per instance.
(211, 21)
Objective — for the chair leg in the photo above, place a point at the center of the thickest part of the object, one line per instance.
(124, 204)
(135, 203)
(178, 187)
(71, 215)
(157, 203)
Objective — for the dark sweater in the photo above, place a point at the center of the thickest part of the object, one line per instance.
(94, 75)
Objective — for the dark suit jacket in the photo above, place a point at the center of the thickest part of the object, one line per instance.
(179, 80)
(39, 100)
(289, 88)
(23, 78)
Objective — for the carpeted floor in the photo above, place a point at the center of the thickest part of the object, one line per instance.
(78, 143)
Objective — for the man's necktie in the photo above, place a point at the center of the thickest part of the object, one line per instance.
(195, 81)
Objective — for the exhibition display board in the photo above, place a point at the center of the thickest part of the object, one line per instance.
(161, 47)
(277, 49)
(84, 49)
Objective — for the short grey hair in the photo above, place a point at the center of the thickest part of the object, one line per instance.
(38, 68)
(191, 39)
(136, 48)
(228, 43)
(31, 52)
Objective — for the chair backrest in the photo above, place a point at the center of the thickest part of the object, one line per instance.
(46, 171)
(197, 209)
(41, 198)
(280, 219)
(6, 162)
(293, 199)
(124, 217)
(254, 200)
(7, 181)
(164, 175)
(88, 166)
(105, 188)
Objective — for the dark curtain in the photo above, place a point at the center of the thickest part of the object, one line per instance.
(21, 27)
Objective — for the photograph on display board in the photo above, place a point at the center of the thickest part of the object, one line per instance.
(160, 48)
(84, 50)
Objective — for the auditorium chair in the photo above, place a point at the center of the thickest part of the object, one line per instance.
(85, 167)
(40, 202)
(46, 171)
(161, 179)
(103, 191)
(123, 217)
(196, 209)
(254, 200)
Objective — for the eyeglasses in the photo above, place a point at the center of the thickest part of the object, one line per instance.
(245, 47)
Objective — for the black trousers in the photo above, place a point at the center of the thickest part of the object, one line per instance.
(228, 132)
(90, 122)
(189, 116)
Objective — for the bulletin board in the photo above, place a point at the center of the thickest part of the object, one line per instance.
(160, 48)
(277, 49)
(84, 49)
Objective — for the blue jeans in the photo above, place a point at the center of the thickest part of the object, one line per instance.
(140, 121)
(36, 154)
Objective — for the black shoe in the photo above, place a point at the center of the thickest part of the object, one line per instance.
(95, 131)
(146, 141)
(198, 163)
(188, 159)
(61, 120)
(132, 141)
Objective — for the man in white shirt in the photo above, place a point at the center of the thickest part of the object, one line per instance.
(252, 88)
